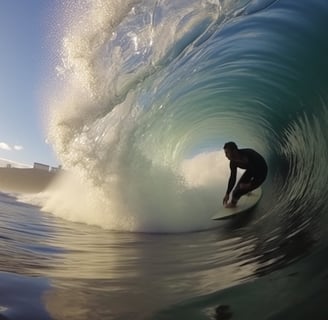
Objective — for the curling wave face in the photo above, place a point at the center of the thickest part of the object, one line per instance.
(154, 89)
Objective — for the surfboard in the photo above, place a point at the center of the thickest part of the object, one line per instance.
(245, 203)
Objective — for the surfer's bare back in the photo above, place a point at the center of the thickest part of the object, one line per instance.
(255, 174)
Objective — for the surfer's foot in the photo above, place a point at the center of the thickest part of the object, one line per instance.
(231, 205)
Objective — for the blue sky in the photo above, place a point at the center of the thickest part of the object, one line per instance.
(25, 64)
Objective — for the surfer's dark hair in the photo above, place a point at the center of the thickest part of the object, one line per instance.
(230, 145)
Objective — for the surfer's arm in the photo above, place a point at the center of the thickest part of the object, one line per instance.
(232, 179)
(231, 183)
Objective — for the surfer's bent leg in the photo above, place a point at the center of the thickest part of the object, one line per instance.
(238, 191)
(253, 180)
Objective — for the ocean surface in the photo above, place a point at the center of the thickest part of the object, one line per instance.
(146, 94)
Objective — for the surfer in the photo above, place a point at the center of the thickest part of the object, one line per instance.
(255, 174)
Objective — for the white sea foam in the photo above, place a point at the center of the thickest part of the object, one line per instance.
(113, 125)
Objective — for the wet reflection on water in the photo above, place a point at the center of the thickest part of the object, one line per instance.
(96, 273)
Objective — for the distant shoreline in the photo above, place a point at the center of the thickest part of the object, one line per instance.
(25, 180)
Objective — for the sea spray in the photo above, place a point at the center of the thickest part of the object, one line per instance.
(149, 200)
(113, 125)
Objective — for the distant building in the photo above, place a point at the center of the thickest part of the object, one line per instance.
(8, 165)
(41, 166)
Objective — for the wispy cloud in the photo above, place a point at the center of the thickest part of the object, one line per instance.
(18, 148)
(7, 147)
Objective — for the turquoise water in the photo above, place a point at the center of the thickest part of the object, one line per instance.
(148, 93)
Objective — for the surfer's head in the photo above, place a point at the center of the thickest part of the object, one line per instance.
(231, 150)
